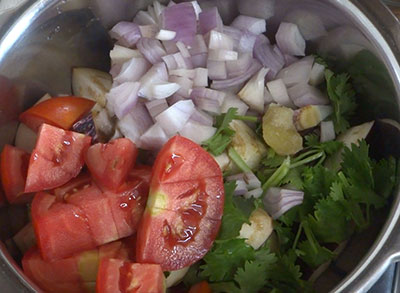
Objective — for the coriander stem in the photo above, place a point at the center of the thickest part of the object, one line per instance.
(308, 160)
(247, 118)
(304, 155)
(296, 239)
(310, 237)
(232, 153)
(278, 175)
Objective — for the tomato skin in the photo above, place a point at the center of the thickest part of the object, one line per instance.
(14, 168)
(56, 159)
(110, 163)
(202, 287)
(120, 276)
(61, 112)
(183, 213)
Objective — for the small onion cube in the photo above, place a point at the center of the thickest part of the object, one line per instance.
(278, 201)
(197, 8)
(144, 18)
(174, 99)
(317, 74)
(223, 161)
(290, 40)
(269, 56)
(158, 9)
(199, 60)
(289, 59)
(154, 138)
(252, 181)
(210, 20)
(217, 40)
(155, 107)
(189, 73)
(175, 117)
(149, 31)
(298, 72)
(327, 131)
(279, 93)
(165, 35)
(185, 83)
(123, 98)
(202, 118)
(151, 49)
(182, 62)
(170, 62)
(120, 54)
(303, 95)
(199, 46)
(238, 67)
(182, 48)
(163, 90)
(156, 74)
(241, 188)
(206, 93)
(232, 101)
(254, 193)
(235, 177)
(170, 47)
(126, 33)
(200, 77)
(180, 18)
(132, 70)
(222, 55)
(208, 105)
(268, 98)
(253, 92)
(216, 70)
(252, 24)
(197, 132)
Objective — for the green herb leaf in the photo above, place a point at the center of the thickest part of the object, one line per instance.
(384, 173)
(328, 147)
(225, 287)
(312, 258)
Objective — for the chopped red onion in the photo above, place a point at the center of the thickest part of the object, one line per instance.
(240, 189)
(290, 40)
(163, 90)
(170, 47)
(269, 56)
(182, 62)
(120, 54)
(232, 101)
(222, 55)
(247, 42)
(197, 132)
(156, 74)
(158, 9)
(188, 73)
(202, 118)
(199, 46)
(199, 60)
(181, 18)
(268, 98)
(126, 33)
(252, 181)
(182, 48)
(174, 99)
(279, 93)
(150, 10)
(234, 33)
(298, 72)
(165, 35)
(236, 177)
(144, 18)
(226, 8)
(224, 84)
(238, 67)
(186, 85)
(264, 9)
(310, 24)
(253, 92)
(115, 69)
(123, 98)
(206, 93)
(303, 95)
(254, 193)
(278, 201)
(132, 70)
(252, 24)
(155, 107)
(217, 40)
(197, 8)
(289, 59)
(149, 31)
(216, 69)
(170, 62)
(210, 20)
(151, 49)
(317, 75)
(175, 117)
(208, 105)
(154, 138)
(201, 77)
(327, 131)
(134, 124)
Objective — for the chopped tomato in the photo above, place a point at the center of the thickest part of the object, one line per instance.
(14, 166)
(184, 209)
(110, 163)
(82, 216)
(73, 274)
(2, 198)
(56, 159)
(116, 276)
(61, 112)
(202, 287)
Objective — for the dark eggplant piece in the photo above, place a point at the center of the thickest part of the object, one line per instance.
(86, 126)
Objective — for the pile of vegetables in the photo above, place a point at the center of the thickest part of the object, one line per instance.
(261, 170)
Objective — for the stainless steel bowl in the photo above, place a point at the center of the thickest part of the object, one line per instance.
(40, 47)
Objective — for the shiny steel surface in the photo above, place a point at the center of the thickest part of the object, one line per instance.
(52, 36)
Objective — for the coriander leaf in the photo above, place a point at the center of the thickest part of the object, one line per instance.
(294, 179)
(285, 236)
(217, 144)
(192, 276)
(272, 159)
(225, 287)
(233, 217)
(336, 192)
(342, 96)
(364, 195)
(315, 259)
(318, 181)
(222, 261)
(318, 59)
(384, 173)
(328, 147)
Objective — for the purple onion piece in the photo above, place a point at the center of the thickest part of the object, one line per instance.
(126, 33)
(290, 40)
(210, 20)
(269, 56)
(151, 49)
(278, 201)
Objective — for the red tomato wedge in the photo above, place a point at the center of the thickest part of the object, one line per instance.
(82, 216)
(117, 276)
(202, 287)
(14, 167)
(56, 159)
(61, 112)
(110, 163)
(184, 210)
(73, 274)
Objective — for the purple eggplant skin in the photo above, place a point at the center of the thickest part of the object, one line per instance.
(384, 139)
(86, 126)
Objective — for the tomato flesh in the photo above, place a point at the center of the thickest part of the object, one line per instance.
(120, 276)
(202, 287)
(61, 112)
(183, 213)
(56, 159)
(110, 163)
(14, 168)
